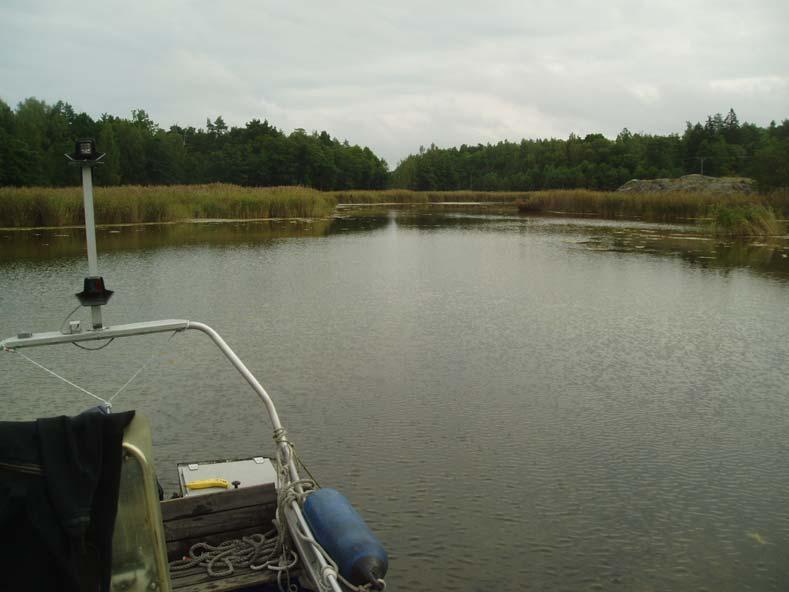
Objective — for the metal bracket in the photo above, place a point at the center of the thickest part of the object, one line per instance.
(56, 337)
(88, 163)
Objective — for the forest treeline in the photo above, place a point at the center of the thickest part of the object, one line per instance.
(722, 146)
(35, 135)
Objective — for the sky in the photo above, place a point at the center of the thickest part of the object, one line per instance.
(395, 76)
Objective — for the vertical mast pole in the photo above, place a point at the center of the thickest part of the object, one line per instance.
(90, 222)
(90, 235)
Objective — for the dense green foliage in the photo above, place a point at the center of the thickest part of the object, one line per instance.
(34, 137)
(62, 206)
(744, 221)
(723, 145)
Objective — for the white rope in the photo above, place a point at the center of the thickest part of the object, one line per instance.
(262, 551)
(223, 559)
(56, 375)
(289, 492)
(107, 402)
(141, 368)
(270, 551)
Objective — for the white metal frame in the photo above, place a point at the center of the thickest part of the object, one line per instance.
(317, 567)
(315, 563)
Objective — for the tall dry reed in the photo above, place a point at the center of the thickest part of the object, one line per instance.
(407, 196)
(43, 206)
(664, 206)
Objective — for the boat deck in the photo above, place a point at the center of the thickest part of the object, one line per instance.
(196, 579)
(214, 518)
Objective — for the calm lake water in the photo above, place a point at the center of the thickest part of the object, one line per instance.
(513, 403)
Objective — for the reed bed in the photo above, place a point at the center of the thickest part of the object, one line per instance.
(744, 221)
(665, 206)
(43, 206)
(778, 200)
(39, 206)
(662, 206)
(734, 215)
(407, 196)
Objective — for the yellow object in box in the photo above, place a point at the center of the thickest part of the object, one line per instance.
(208, 483)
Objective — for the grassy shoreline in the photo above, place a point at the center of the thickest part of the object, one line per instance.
(58, 207)
(407, 196)
(732, 215)
(669, 205)
(129, 204)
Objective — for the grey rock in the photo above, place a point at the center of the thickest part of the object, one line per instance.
(692, 184)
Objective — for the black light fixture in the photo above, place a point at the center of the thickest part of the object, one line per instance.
(85, 149)
(94, 293)
(85, 153)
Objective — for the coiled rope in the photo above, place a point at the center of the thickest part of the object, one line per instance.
(272, 550)
(256, 552)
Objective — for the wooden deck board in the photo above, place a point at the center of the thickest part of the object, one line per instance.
(185, 507)
(196, 579)
(214, 518)
(217, 517)
(217, 522)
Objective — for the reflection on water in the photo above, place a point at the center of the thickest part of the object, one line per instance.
(51, 243)
(513, 402)
(70, 242)
(698, 250)
(684, 241)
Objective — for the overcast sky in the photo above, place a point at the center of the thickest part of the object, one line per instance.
(398, 74)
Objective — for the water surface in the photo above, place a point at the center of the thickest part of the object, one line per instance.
(512, 402)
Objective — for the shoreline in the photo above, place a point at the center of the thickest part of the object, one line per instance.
(41, 208)
(163, 223)
(700, 224)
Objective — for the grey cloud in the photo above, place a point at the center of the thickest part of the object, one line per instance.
(396, 76)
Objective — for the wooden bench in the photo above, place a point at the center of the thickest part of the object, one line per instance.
(214, 518)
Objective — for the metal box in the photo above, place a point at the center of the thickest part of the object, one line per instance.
(247, 472)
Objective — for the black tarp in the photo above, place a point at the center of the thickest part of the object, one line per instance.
(59, 480)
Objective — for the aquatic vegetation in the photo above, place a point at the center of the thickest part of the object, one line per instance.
(664, 206)
(757, 537)
(42, 206)
(778, 200)
(45, 206)
(407, 196)
(744, 220)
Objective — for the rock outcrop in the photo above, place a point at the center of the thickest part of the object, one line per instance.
(692, 184)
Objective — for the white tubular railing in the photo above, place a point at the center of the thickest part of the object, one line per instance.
(320, 570)
(294, 473)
